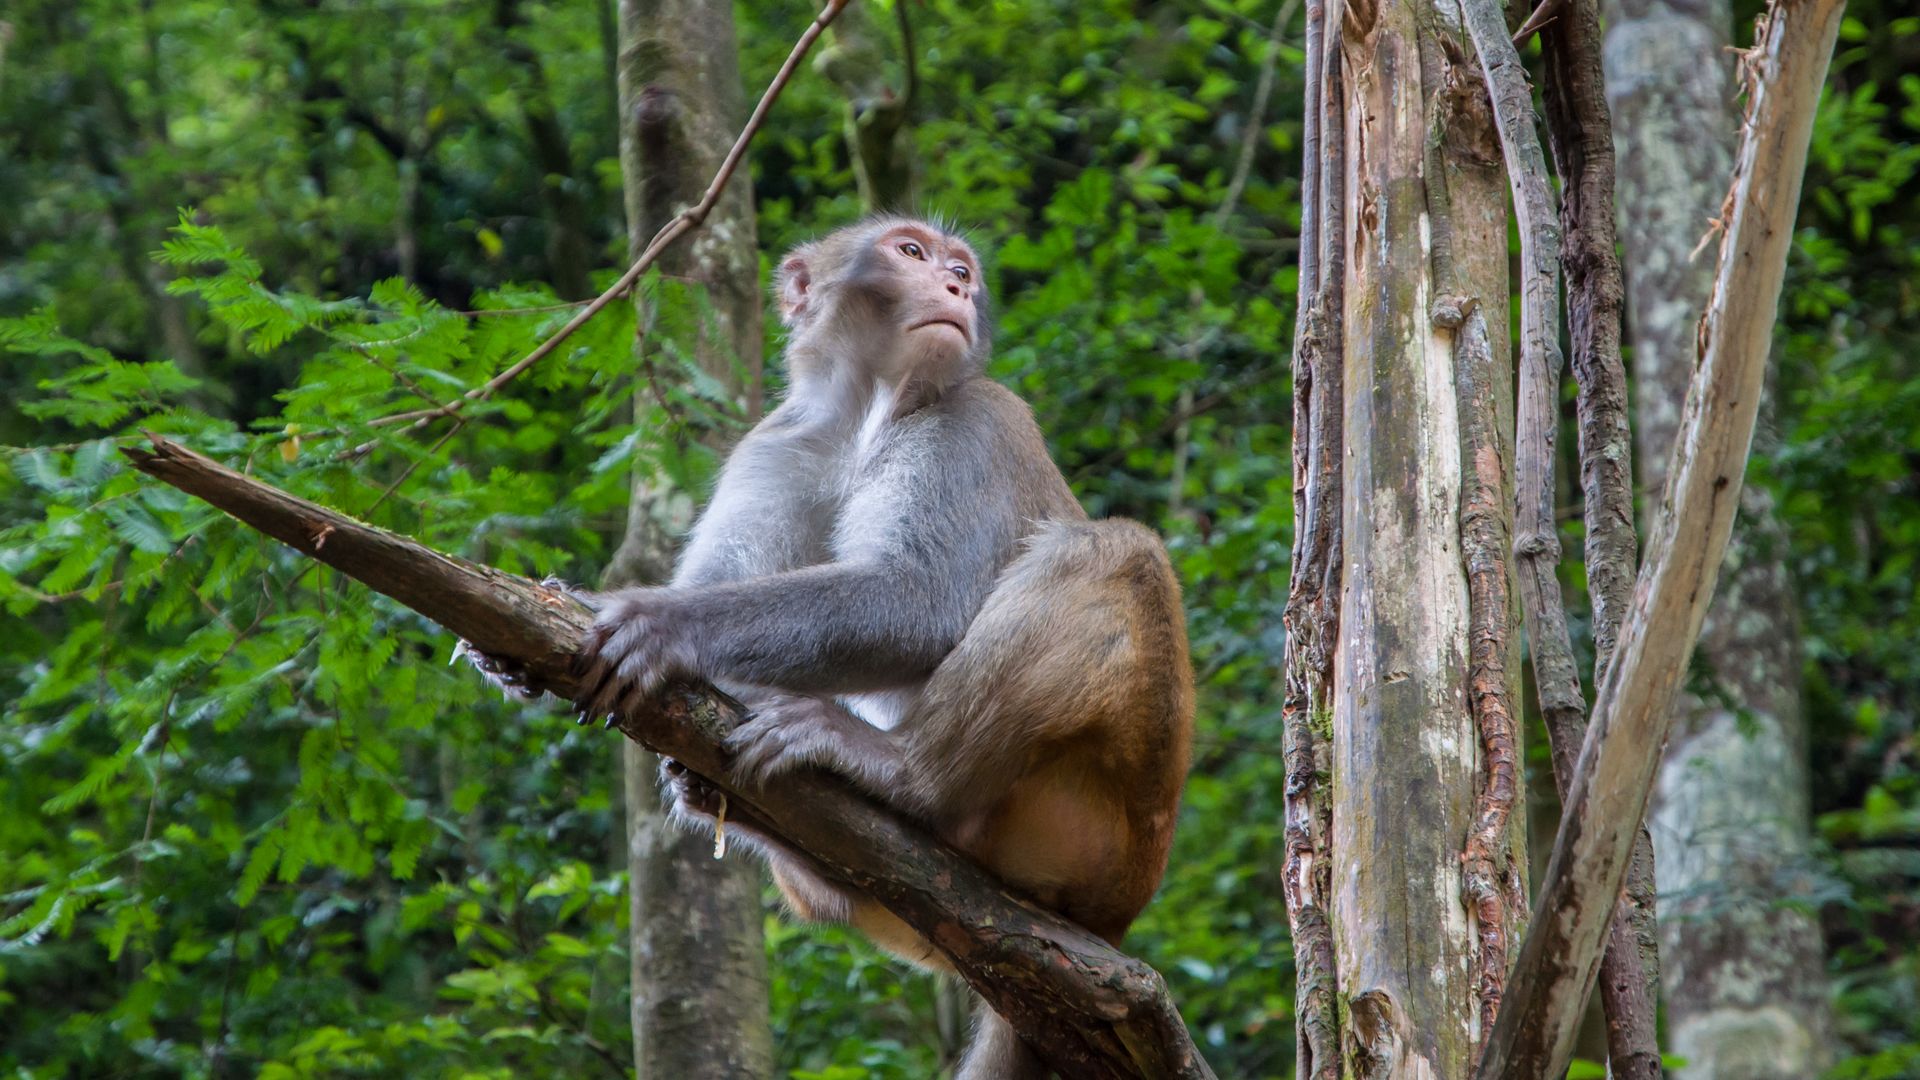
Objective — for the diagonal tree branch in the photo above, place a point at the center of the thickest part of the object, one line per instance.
(1533, 1037)
(1090, 1010)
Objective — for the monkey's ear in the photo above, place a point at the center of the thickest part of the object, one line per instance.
(795, 284)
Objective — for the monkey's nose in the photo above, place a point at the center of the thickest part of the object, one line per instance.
(954, 288)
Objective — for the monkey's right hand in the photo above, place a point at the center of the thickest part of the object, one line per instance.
(640, 639)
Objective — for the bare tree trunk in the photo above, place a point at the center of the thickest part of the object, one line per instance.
(699, 959)
(1399, 684)
(1746, 990)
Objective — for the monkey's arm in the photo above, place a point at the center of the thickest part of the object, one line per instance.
(759, 520)
(920, 542)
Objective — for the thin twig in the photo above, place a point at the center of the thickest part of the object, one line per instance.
(688, 220)
(1256, 116)
(1548, 11)
(1536, 543)
(1580, 132)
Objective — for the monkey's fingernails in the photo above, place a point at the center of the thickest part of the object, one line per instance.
(612, 719)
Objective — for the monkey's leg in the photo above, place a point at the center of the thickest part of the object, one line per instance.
(1083, 636)
(789, 731)
(996, 1053)
(808, 888)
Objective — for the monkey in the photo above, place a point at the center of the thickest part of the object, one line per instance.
(894, 578)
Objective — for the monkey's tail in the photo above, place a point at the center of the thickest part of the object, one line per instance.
(996, 1052)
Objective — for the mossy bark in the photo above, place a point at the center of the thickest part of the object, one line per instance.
(699, 969)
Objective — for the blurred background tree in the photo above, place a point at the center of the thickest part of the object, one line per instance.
(247, 831)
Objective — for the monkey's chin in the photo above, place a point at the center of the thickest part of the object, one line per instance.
(938, 346)
(940, 331)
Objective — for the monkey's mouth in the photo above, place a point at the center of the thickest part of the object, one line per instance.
(964, 336)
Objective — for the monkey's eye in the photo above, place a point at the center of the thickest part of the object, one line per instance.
(960, 271)
(912, 250)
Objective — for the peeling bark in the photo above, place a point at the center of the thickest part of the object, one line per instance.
(1783, 73)
(1627, 1001)
(1091, 1011)
(1312, 614)
(1461, 130)
(1746, 993)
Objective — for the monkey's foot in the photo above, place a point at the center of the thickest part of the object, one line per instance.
(789, 732)
(693, 798)
(510, 676)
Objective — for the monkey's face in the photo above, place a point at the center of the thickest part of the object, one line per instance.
(901, 295)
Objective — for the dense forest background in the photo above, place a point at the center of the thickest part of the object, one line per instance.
(253, 824)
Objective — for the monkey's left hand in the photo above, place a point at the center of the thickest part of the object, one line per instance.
(640, 639)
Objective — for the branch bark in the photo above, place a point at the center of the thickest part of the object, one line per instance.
(1580, 133)
(1783, 74)
(1090, 1010)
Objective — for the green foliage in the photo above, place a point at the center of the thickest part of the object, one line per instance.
(255, 825)
(1845, 470)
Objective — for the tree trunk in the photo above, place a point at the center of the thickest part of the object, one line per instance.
(699, 959)
(1400, 685)
(1746, 991)
(879, 136)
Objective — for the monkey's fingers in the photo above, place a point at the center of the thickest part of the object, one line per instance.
(598, 671)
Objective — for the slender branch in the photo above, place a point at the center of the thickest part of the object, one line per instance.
(1580, 133)
(1783, 73)
(1090, 1010)
(1548, 11)
(689, 219)
(1256, 114)
(1313, 600)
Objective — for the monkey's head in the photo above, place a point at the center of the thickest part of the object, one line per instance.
(900, 297)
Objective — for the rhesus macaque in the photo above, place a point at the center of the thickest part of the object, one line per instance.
(896, 581)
